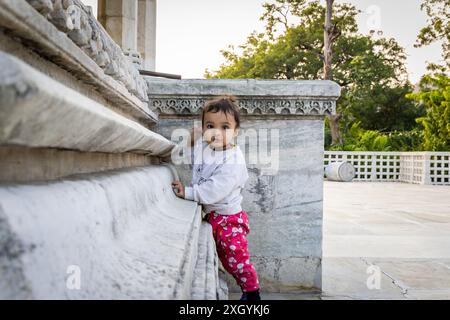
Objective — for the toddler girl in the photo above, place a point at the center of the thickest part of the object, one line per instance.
(218, 176)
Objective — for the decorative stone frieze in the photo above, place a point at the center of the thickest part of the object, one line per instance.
(248, 105)
(256, 97)
(76, 20)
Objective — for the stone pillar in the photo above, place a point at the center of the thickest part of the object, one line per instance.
(426, 176)
(146, 37)
(282, 136)
(119, 17)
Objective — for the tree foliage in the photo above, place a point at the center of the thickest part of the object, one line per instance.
(435, 97)
(370, 70)
(359, 139)
(437, 29)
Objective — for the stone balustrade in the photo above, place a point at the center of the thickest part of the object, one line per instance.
(410, 167)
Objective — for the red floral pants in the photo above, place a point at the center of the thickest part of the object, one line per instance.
(230, 233)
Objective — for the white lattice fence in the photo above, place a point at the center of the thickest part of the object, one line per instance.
(411, 167)
(440, 168)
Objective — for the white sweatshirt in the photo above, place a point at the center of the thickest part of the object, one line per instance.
(218, 176)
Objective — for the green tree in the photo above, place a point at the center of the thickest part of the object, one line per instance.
(435, 97)
(387, 110)
(368, 69)
(330, 35)
(437, 29)
(434, 92)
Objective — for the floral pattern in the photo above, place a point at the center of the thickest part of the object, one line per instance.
(230, 233)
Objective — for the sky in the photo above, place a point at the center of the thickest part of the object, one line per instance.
(191, 33)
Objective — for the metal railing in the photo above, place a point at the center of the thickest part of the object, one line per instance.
(159, 74)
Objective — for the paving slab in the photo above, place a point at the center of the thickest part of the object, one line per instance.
(402, 230)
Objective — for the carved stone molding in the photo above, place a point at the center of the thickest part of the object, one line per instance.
(173, 105)
(76, 20)
(38, 112)
(255, 97)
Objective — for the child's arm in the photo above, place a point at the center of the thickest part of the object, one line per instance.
(177, 185)
(217, 187)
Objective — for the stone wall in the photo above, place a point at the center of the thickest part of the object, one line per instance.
(86, 204)
(76, 20)
(282, 135)
(85, 180)
(111, 230)
(45, 44)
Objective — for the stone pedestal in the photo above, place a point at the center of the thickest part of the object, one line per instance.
(282, 135)
(119, 17)
(132, 25)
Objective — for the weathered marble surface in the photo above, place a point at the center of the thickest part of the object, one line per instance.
(99, 63)
(146, 33)
(256, 97)
(130, 236)
(283, 200)
(207, 283)
(125, 230)
(41, 164)
(286, 208)
(245, 87)
(36, 111)
(77, 21)
(283, 196)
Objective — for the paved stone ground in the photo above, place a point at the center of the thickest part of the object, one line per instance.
(403, 230)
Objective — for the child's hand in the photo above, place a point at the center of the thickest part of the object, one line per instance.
(178, 188)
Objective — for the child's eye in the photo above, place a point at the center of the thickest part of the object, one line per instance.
(209, 126)
(226, 127)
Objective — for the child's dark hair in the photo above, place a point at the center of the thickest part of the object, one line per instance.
(227, 104)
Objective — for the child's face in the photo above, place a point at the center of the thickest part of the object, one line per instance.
(219, 129)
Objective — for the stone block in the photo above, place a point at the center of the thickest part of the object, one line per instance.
(37, 111)
(282, 137)
(116, 235)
